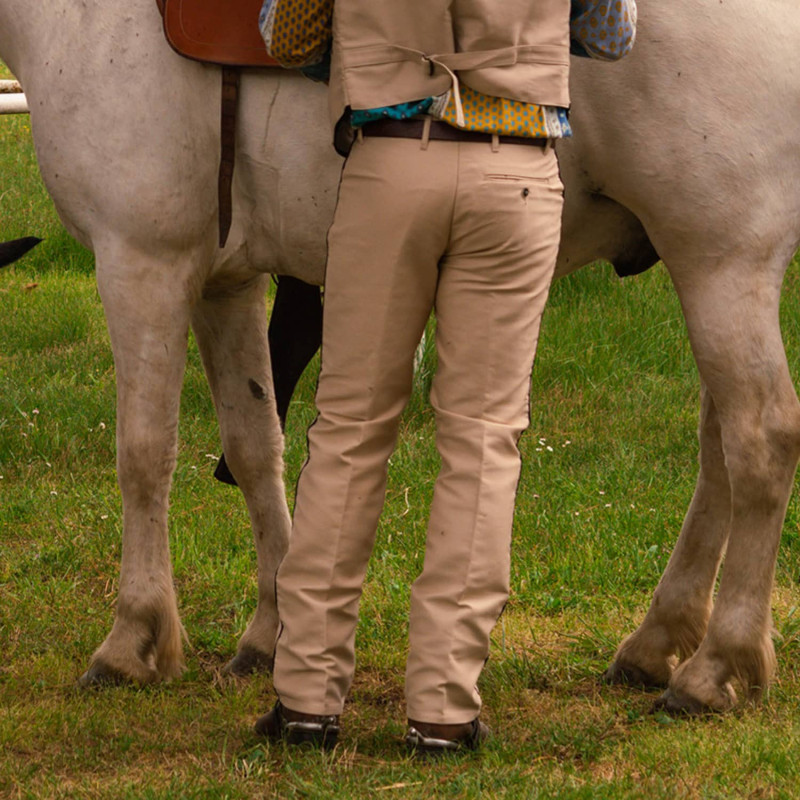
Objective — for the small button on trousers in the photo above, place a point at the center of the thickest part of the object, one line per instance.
(471, 231)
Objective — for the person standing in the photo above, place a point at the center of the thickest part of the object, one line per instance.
(450, 201)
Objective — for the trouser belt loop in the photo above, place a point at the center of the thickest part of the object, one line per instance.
(426, 133)
(360, 134)
(495, 143)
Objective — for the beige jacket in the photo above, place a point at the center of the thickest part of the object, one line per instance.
(394, 51)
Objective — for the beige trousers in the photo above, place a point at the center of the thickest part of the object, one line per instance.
(470, 230)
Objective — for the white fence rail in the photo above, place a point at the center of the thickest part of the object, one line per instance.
(12, 100)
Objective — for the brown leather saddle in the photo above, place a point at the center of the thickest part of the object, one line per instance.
(223, 32)
(216, 31)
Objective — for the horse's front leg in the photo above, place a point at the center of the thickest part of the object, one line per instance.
(732, 315)
(231, 331)
(678, 615)
(147, 311)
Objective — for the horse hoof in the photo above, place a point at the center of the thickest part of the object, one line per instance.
(99, 675)
(248, 661)
(630, 675)
(676, 703)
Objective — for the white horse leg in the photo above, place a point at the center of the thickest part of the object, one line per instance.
(231, 331)
(732, 316)
(678, 615)
(147, 309)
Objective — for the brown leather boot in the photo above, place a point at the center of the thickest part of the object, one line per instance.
(295, 727)
(427, 738)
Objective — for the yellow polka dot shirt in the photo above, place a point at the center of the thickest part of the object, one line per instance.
(298, 34)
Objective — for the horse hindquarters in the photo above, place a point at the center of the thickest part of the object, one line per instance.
(231, 332)
(731, 311)
(147, 311)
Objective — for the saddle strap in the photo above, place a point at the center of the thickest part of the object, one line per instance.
(230, 96)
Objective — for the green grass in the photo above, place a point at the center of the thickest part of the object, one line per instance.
(610, 462)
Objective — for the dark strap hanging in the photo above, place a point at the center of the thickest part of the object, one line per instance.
(224, 33)
(230, 95)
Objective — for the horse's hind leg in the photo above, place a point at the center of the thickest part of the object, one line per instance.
(147, 311)
(678, 615)
(231, 331)
(732, 315)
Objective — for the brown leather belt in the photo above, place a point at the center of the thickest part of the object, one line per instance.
(414, 128)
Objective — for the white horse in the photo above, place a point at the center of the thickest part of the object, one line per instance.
(688, 149)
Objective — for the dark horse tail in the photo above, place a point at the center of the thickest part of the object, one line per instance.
(16, 248)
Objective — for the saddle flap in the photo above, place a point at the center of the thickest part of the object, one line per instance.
(216, 31)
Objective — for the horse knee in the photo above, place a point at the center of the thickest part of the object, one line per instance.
(255, 460)
(785, 432)
(761, 457)
(145, 463)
